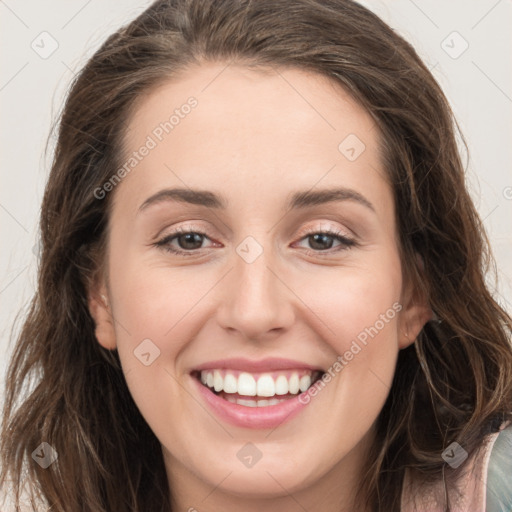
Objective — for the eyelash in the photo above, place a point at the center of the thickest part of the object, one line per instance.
(346, 243)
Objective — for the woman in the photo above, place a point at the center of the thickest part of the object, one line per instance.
(327, 341)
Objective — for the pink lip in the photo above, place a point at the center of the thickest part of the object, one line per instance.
(251, 417)
(269, 364)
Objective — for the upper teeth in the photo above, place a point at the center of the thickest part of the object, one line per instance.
(263, 384)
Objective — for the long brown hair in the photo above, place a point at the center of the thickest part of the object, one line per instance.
(453, 384)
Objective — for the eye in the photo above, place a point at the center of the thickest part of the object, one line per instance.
(187, 240)
(323, 240)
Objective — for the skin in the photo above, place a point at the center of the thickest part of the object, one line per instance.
(256, 137)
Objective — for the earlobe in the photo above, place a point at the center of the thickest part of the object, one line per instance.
(101, 314)
(413, 319)
(415, 314)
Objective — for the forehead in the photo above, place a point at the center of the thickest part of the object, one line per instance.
(252, 132)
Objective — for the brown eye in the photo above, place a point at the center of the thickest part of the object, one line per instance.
(190, 241)
(321, 241)
(183, 241)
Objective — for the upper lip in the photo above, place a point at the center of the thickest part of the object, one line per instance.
(261, 365)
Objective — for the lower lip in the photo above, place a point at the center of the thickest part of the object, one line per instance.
(251, 417)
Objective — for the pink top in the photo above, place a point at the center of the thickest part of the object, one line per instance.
(471, 486)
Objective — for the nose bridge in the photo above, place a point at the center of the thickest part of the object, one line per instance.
(256, 300)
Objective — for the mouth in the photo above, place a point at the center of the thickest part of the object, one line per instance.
(253, 394)
(257, 389)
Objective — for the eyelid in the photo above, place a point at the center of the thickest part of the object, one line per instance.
(171, 230)
(185, 229)
(347, 233)
(346, 241)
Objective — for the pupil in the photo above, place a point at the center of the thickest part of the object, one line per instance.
(321, 237)
(318, 241)
(190, 238)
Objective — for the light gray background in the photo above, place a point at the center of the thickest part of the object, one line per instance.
(478, 84)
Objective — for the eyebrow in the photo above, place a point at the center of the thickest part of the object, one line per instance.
(313, 198)
(186, 195)
(299, 200)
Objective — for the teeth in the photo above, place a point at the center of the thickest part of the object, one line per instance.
(247, 403)
(265, 385)
(293, 384)
(304, 383)
(281, 385)
(254, 403)
(230, 383)
(246, 384)
(218, 381)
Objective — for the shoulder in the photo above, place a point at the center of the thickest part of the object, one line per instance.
(499, 473)
(485, 484)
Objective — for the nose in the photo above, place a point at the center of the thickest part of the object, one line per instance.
(256, 302)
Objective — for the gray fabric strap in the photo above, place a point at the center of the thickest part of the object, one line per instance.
(499, 475)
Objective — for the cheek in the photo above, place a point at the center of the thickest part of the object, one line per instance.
(154, 323)
(366, 320)
(155, 303)
(345, 303)
(358, 318)
(361, 315)
(356, 303)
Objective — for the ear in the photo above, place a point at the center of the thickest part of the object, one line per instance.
(415, 313)
(100, 311)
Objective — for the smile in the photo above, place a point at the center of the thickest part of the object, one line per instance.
(253, 389)
(248, 397)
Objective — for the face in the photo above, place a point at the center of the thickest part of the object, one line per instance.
(258, 312)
